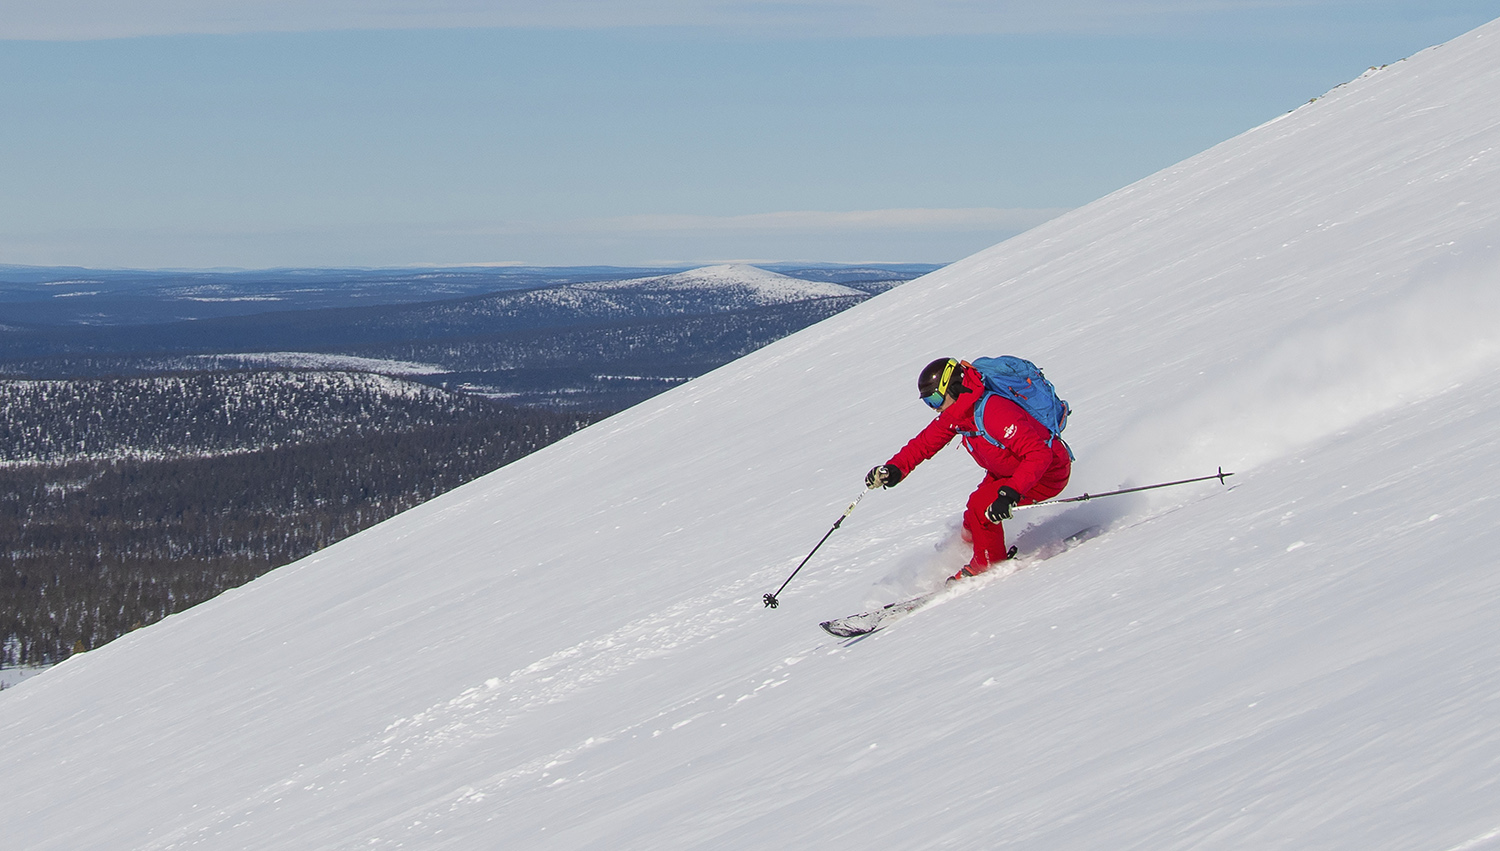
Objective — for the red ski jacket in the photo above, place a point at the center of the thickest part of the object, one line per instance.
(1023, 459)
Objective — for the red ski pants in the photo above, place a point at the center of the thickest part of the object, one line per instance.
(989, 538)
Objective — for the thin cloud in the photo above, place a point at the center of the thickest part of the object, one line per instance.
(67, 20)
(900, 235)
(802, 221)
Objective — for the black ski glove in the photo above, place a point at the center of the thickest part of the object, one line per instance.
(884, 476)
(1000, 509)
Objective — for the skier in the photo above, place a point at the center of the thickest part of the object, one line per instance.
(1030, 465)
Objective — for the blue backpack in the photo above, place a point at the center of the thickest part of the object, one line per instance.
(1019, 380)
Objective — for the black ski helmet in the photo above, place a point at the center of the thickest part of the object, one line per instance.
(942, 377)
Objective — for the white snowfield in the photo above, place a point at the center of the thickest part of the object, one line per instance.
(572, 653)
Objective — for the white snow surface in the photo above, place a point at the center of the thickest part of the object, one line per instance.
(572, 653)
(9, 677)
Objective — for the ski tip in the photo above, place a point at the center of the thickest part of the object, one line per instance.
(838, 630)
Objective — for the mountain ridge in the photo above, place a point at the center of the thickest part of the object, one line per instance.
(754, 285)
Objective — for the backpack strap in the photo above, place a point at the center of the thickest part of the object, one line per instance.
(980, 431)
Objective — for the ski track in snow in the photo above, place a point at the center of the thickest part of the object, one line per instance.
(1478, 842)
(489, 710)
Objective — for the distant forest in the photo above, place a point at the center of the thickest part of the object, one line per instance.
(143, 469)
(577, 362)
(93, 546)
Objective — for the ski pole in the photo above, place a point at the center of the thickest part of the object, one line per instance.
(770, 599)
(1221, 476)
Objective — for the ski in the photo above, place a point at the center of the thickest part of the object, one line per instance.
(868, 622)
(865, 623)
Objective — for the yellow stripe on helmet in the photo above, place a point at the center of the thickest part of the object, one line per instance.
(948, 370)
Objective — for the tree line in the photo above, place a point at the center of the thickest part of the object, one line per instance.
(92, 548)
(127, 495)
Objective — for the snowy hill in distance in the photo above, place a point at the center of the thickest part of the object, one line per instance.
(710, 289)
(571, 653)
(746, 284)
(715, 289)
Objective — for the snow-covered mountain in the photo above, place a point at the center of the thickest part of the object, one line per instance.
(571, 653)
(710, 289)
(707, 289)
(742, 284)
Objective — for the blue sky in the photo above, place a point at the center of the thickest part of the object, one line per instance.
(208, 133)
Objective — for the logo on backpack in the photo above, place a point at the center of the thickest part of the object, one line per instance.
(1019, 380)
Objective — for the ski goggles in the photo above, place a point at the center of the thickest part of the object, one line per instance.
(934, 399)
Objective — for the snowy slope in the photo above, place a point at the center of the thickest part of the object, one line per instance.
(571, 653)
